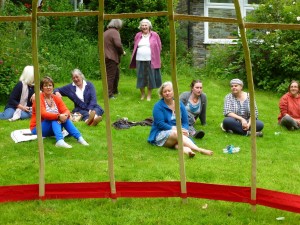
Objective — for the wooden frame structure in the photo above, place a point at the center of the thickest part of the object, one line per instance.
(172, 17)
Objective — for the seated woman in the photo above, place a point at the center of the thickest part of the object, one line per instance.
(289, 106)
(19, 102)
(163, 131)
(237, 111)
(195, 102)
(55, 116)
(83, 94)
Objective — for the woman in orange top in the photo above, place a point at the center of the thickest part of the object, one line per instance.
(55, 116)
(289, 106)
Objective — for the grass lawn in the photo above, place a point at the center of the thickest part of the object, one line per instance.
(278, 166)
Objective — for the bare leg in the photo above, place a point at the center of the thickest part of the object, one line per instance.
(187, 151)
(149, 94)
(189, 143)
(142, 93)
(172, 141)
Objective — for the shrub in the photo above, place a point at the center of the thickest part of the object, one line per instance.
(274, 53)
(218, 61)
(61, 50)
(14, 48)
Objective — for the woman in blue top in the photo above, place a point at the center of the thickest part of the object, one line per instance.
(20, 100)
(163, 131)
(83, 94)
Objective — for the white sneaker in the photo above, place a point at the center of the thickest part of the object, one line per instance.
(63, 144)
(82, 141)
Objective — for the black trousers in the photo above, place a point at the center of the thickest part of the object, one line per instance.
(113, 76)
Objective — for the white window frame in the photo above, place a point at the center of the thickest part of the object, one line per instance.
(208, 5)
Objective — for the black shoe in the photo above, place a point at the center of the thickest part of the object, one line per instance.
(199, 134)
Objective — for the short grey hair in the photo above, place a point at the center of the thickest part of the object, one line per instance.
(27, 75)
(115, 23)
(145, 21)
(236, 81)
(78, 71)
(162, 87)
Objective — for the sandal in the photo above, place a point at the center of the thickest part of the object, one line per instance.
(91, 117)
(191, 154)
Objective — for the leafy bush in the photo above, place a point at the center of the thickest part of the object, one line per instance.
(15, 49)
(274, 53)
(130, 28)
(65, 43)
(218, 59)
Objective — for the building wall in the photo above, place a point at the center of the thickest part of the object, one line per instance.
(195, 29)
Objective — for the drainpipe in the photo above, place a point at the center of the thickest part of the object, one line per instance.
(189, 24)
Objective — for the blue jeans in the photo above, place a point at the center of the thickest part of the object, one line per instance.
(53, 128)
(9, 112)
(230, 123)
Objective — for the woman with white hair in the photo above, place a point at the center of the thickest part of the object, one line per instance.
(19, 102)
(83, 94)
(237, 111)
(146, 59)
(164, 131)
(113, 50)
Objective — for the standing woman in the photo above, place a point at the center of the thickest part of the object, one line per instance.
(83, 94)
(113, 50)
(55, 116)
(289, 106)
(237, 111)
(19, 102)
(195, 102)
(164, 131)
(146, 59)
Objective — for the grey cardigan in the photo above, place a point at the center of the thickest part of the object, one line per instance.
(184, 98)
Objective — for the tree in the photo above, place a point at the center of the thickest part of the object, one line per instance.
(274, 53)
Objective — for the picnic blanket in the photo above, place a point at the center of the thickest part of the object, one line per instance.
(22, 135)
(26, 135)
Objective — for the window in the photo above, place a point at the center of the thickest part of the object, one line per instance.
(221, 32)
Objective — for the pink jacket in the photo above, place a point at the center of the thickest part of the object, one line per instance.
(289, 105)
(155, 46)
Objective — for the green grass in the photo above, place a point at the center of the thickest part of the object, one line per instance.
(135, 160)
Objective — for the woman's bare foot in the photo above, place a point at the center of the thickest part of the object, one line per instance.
(206, 152)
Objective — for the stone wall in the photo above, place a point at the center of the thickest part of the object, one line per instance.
(195, 29)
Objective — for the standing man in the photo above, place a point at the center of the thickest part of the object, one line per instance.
(113, 50)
